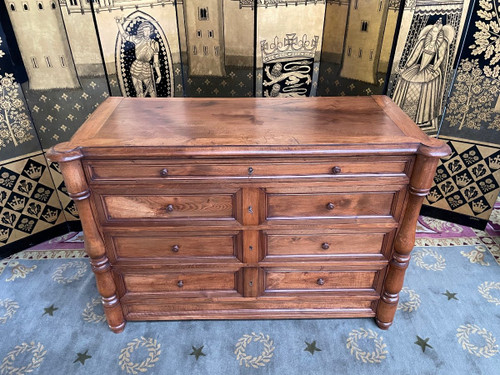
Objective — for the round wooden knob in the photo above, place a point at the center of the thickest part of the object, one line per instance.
(250, 170)
(164, 172)
(336, 170)
(325, 245)
(169, 208)
(320, 281)
(180, 283)
(175, 248)
(330, 206)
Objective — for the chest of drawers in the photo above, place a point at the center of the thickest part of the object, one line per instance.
(248, 208)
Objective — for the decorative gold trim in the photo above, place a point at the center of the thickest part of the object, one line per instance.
(469, 141)
(22, 157)
(43, 255)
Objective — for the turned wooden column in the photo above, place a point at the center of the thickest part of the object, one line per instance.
(78, 190)
(420, 183)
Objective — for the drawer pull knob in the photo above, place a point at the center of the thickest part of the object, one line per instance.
(180, 283)
(175, 248)
(250, 170)
(325, 245)
(336, 170)
(170, 208)
(320, 281)
(164, 172)
(330, 206)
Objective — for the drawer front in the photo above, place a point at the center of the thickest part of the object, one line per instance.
(141, 170)
(297, 206)
(164, 207)
(181, 282)
(165, 246)
(323, 244)
(265, 308)
(293, 281)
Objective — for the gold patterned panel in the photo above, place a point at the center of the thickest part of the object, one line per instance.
(69, 208)
(29, 203)
(468, 181)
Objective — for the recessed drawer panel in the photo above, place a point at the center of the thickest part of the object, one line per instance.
(180, 282)
(292, 281)
(175, 246)
(323, 244)
(299, 206)
(163, 207)
(141, 170)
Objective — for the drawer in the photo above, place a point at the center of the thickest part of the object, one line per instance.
(167, 170)
(298, 280)
(169, 207)
(184, 282)
(320, 205)
(173, 246)
(289, 245)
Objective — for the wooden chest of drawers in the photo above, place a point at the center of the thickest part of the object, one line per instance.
(248, 208)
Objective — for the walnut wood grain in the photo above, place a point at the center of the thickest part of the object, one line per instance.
(180, 282)
(338, 306)
(328, 205)
(168, 207)
(295, 281)
(262, 123)
(175, 245)
(280, 245)
(176, 169)
(249, 208)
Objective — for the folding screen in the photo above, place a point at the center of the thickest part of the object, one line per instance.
(75, 53)
(467, 183)
(29, 203)
(65, 83)
(456, 94)
(358, 37)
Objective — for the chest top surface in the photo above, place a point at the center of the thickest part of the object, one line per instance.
(248, 126)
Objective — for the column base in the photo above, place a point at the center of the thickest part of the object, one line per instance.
(119, 328)
(383, 325)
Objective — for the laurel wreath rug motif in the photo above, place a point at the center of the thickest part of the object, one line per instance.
(419, 259)
(10, 307)
(365, 356)
(89, 314)
(38, 355)
(485, 290)
(464, 333)
(412, 303)
(254, 361)
(153, 348)
(58, 275)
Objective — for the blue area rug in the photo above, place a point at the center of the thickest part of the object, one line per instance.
(448, 322)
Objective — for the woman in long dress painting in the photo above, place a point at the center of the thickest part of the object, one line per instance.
(419, 90)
